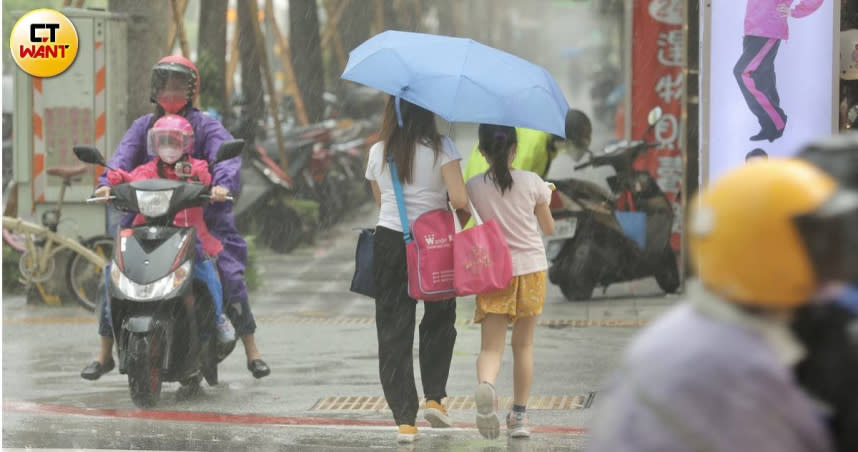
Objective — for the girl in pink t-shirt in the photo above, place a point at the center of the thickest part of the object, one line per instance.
(518, 201)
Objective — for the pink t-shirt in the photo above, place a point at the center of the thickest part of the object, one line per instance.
(514, 214)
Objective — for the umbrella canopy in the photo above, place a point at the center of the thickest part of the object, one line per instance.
(460, 80)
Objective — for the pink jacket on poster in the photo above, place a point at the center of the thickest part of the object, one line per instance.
(186, 218)
(763, 19)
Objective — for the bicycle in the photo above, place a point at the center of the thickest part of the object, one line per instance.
(39, 245)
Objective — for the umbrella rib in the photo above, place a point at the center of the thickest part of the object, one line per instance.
(462, 70)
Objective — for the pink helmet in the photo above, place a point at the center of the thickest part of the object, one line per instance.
(171, 137)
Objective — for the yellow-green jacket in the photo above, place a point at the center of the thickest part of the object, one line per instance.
(531, 154)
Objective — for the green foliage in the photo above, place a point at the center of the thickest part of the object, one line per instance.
(308, 212)
(209, 95)
(11, 275)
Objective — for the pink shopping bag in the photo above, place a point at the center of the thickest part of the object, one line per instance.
(481, 259)
(430, 257)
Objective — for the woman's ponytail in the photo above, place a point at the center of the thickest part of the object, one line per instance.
(496, 142)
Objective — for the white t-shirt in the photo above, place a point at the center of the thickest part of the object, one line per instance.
(426, 191)
(514, 214)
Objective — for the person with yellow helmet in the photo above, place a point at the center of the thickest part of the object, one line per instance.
(715, 372)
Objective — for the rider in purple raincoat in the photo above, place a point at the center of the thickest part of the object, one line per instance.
(175, 83)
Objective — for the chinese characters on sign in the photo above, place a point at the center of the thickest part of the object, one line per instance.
(659, 80)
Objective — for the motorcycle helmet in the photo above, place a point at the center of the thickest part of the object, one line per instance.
(170, 138)
(175, 83)
(770, 234)
(579, 130)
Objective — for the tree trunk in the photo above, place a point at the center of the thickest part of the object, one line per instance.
(354, 26)
(251, 75)
(147, 37)
(306, 46)
(446, 18)
(211, 55)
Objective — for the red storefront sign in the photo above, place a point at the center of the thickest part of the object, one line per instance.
(658, 80)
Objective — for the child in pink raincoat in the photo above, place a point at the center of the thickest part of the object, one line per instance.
(170, 141)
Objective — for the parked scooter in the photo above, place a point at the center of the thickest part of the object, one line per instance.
(163, 319)
(312, 171)
(264, 186)
(605, 237)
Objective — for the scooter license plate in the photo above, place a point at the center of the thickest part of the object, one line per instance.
(564, 228)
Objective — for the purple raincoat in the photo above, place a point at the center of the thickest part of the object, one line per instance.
(208, 135)
(763, 19)
(708, 376)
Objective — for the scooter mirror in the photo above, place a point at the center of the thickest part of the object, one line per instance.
(852, 117)
(229, 149)
(654, 115)
(89, 154)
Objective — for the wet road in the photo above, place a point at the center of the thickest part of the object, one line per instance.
(323, 393)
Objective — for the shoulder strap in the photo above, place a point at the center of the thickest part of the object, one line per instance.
(400, 200)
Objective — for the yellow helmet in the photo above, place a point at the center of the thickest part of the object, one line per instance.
(755, 234)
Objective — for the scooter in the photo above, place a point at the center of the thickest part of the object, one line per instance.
(264, 185)
(162, 317)
(605, 237)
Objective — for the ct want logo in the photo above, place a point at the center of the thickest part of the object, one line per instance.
(44, 43)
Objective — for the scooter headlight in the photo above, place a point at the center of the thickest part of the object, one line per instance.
(115, 273)
(155, 290)
(154, 203)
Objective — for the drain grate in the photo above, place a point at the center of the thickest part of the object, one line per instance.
(377, 403)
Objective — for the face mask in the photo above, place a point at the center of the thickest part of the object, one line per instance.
(172, 103)
(169, 154)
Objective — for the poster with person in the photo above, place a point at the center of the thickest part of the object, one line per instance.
(769, 71)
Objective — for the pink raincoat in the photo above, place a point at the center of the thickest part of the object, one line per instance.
(763, 19)
(185, 218)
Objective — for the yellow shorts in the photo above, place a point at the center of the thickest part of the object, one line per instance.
(523, 297)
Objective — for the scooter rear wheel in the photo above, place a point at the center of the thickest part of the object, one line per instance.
(667, 272)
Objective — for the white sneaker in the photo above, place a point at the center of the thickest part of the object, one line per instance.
(517, 425)
(487, 406)
(225, 331)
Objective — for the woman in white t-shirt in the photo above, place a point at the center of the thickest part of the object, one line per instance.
(518, 201)
(429, 170)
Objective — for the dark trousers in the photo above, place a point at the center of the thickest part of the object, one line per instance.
(755, 74)
(394, 321)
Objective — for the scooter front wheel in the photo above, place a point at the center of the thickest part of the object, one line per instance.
(144, 369)
(575, 276)
(577, 290)
(280, 228)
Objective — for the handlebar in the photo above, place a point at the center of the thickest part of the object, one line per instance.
(100, 199)
(638, 146)
(95, 199)
(228, 197)
(584, 165)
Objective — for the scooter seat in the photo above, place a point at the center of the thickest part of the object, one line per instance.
(67, 172)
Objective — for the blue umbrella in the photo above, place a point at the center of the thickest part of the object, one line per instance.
(460, 80)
